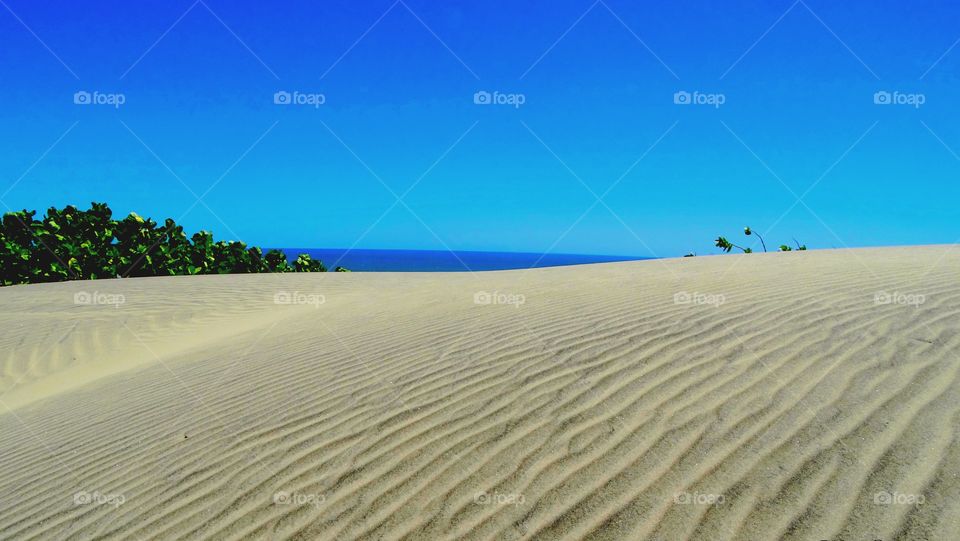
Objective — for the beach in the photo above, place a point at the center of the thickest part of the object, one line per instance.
(801, 395)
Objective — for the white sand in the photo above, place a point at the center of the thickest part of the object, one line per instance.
(794, 406)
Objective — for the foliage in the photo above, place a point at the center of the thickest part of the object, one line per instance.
(726, 245)
(72, 244)
(800, 247)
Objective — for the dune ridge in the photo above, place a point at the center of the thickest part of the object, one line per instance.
(762, 396)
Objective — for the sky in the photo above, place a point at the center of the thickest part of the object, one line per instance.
(588, 126)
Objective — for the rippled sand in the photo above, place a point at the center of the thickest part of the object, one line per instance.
(768, 396)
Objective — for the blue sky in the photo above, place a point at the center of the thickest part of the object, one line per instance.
(797, 148)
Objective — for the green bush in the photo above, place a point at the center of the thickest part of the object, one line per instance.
(73, 244)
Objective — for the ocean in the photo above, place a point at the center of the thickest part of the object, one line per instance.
(358, 260)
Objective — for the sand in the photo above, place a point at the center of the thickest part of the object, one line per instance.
(763, 396)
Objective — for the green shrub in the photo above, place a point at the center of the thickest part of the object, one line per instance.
(72, 244)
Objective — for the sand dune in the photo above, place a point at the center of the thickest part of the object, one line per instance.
(768, 396)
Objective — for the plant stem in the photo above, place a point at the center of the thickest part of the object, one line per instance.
(764, 244)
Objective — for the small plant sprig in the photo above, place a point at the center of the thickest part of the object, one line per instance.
(747, 231)
(727, 246)
(800, 247)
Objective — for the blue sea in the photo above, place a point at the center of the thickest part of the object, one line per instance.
(358, 260)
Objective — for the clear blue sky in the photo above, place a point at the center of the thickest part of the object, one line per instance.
(598, 80)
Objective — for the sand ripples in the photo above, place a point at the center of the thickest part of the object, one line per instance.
(781, 402)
